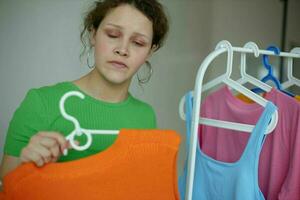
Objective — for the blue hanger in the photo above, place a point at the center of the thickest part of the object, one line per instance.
(270, 76)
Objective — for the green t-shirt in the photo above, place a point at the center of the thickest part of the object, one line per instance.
(39, 111)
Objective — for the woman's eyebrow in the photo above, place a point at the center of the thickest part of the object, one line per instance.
(136, 33)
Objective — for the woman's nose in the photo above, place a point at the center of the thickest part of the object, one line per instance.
(121, 52)
(122, 49)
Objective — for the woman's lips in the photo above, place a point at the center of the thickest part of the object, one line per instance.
(118, 64)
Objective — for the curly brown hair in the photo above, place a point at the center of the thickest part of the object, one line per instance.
(152, 9)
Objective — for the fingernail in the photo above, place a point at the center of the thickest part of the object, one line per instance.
(65, 152)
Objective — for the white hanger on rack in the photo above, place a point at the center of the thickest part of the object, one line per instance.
(78, 131)
(225, 78)
(246, 77)
(291, 79)
(223, 46)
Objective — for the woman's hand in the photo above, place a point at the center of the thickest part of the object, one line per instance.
(44, 147)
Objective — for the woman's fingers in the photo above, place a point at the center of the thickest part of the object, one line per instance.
(28, 155)
(69, 144)
(58, 137)
(44, 147)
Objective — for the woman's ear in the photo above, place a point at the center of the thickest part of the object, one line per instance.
(152, 50)
(92, 37)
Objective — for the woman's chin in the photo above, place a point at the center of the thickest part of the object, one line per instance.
(117, 80)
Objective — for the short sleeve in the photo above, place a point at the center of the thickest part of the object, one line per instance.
(28, 119)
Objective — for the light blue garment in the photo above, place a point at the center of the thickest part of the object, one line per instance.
(216, 180)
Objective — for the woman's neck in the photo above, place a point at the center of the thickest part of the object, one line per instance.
(96, 86)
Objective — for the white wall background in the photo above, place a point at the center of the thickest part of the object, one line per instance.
(40, 45)
(293, 37)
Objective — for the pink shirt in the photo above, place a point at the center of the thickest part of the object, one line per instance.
(279, 164)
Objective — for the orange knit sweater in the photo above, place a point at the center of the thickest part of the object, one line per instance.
(140, 165)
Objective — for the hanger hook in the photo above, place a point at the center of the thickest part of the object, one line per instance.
(78, 131)
(253, 46)
(65, 114)
(255, 49)
(226, 44)
(267, 65)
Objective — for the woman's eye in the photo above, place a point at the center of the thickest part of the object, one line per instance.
(138, 43)
(112, 35)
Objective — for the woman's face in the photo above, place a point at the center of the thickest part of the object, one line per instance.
(122, 43)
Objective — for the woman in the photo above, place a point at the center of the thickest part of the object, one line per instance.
(123, 34)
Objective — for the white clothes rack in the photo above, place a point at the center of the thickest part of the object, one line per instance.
(222, 47)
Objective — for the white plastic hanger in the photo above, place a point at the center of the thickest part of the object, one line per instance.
(78, 131)
(291, 79)
(246, 77)
(225, 78)
(223, 46)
